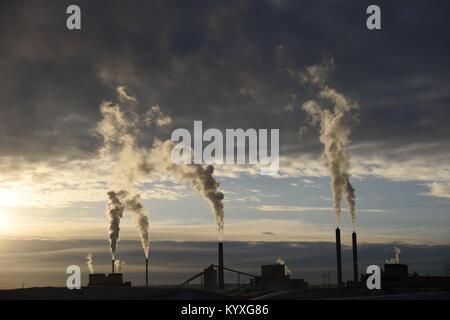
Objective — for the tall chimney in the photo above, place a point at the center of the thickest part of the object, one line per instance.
(338, 258)
(113, 265)
(355, 257)
(221, 278)
(146, 272)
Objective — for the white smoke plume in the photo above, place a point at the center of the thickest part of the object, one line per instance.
(334, 134)
(204, 181)
(119, 146)
(90, 263)
(123, 95)
(119, 265)
(395, 260)
(133, 203)
(316, 74)
(119, 129)
(283, 263)
(120, 135)
(115, 214)
(155, 116)
(202, 178)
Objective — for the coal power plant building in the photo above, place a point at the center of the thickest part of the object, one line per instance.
(395, 272)
(274, 277)
(107, 280)
(396, 275)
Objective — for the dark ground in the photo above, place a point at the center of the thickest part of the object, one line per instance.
(140, 293)
(109, 293)
(358, 294)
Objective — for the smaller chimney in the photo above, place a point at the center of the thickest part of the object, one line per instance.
(338, 258)
(146, 272)
(221, 276)
(355, 257)
(113, 262)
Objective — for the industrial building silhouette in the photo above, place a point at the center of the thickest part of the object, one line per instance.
(107, 280)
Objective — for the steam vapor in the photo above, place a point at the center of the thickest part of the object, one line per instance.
(120, 132)
(283, 263)
(202, 178)
(334, 127)
(133, 204)
(115, 213)
(119, 128)
(123, 95)
(206, 184)
(119, 265)
(334, 134)
(395, 260)
(90, 263)
(155, 116)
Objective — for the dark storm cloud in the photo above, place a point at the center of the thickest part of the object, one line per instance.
(43, 262)
(215, 61)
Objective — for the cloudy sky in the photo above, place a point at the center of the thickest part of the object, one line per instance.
(230, 64)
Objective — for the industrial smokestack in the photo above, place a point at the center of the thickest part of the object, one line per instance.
(221, 278)
(338, 258)
(146, 272)
(355, 257)
(113, 265)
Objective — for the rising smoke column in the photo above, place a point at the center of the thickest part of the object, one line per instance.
(334, 135)
(204, 181)
(283, 263)
(159, 159)
(116, 141)
(119, 265)
(395, 260)
(90, 263)
(115, 214)
(119, 129)
(350, 199)
(120, 132)
(123, 96)
(133, 204)
(154, 116)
